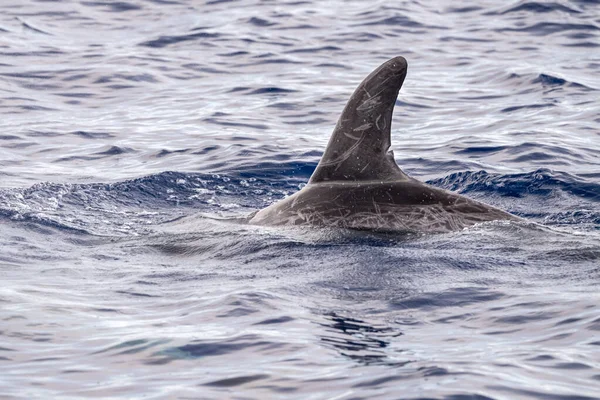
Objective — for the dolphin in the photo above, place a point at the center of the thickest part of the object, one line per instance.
(358, 185)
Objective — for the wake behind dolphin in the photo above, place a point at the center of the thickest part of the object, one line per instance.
(358, 184)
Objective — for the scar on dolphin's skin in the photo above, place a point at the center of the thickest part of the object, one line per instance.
(358, 184)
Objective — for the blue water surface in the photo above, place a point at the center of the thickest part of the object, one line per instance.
(136, 136)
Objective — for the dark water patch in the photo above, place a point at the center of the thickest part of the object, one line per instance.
(480, 150)
(32, 28)
(132, 346)
(590, 45)
(115, 150)
(92, 135)
(236, 89)
(30, 74)
(164, 41)
(296, 170)
(522, 319)
(456, 297)
(10, 137)
(272, 321)
(542, 358)
(198, 349)
(526, 107)
(379, 381)
(541, 182)
(314, 50)
(156, 191)
(75, 77)
(107, 310)
(208, 149)
(22, 145)
(237, 381)
(463, 10)
(537, 8)
(35, 133)
(281, 105)
(135, 294)
(576, 255)
(533, 156)
(234, 54)
(42, 224)
(116, 6)
(272, 90)
(567, 321)
(77, 95)
(550, 81)
(260, 22)
(120, 87)
(35, 108)
(465, 39)
(213, 2)
(359, 340)
(571, 366)
(453, 318)
(202, 68)
(397, 20)
(238, 312)
(128, 77)
(35, 53)
(266, 61)
(581, 35)
(297, 27)
(549, 28)
(533, 147)
(165, 152)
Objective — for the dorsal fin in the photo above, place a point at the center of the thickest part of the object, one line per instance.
(359, 146)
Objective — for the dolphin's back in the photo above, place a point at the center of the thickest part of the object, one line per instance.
(357, 184)
(403, 206)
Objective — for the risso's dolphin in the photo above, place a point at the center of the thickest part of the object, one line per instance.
(358, 184)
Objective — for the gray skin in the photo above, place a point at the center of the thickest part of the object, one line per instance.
(358, 184)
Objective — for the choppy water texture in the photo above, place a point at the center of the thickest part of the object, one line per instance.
(135, 135)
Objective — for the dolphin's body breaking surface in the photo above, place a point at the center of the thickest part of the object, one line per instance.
(358, 184)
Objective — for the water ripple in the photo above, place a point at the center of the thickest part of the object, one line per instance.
(137, 136)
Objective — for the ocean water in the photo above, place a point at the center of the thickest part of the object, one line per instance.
(136, 136)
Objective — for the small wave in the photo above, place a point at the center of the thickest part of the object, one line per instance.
(32, 28)
(271, 90)
(456, 297)
(397, 20)
(549, 80)
(117, 6)
(260, 22)
(549, 28)
(527, 107)
(92, 135)
(164, 41)
(536, 8)
(115, 150)
(236, 381)
(541, 182)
